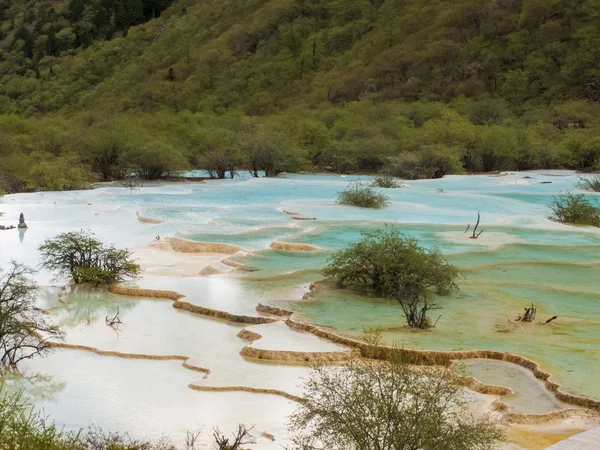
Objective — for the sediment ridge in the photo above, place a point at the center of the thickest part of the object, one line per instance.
(148, 293)
(217, 314)
(185, 246)
(291, 246)
(100, 352)
(473, 384)
(297, 357)
(147, 219)
(533, 419)
(411, 356)
(445, 358)
(265, 309)
(252, 390)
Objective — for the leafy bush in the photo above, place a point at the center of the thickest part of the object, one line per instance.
(575, 209)
(385, 182)
(357, 194)
(408, 409)
(389, 264)
(85, 259)
(22, 429)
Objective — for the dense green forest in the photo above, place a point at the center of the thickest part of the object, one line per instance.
(103, 89)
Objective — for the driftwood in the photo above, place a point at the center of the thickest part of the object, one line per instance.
(113, 322)
(551, 319)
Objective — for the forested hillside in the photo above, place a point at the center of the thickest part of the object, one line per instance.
(418, 88)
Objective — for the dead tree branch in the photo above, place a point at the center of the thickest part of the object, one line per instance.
(475, 234)
(242, 437)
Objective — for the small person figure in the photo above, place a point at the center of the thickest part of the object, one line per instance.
(22, 223)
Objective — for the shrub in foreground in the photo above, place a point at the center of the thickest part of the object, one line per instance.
(389, 264)
(85, 259)
(366, 405)
(357, 194)
(23, 428)
(575, 209)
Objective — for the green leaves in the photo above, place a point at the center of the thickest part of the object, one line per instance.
(85, 259)
(388, 264)
(575, 209)
(387, 405)
(357, 194)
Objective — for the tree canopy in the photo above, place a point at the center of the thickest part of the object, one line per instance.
(420, 88)
(85, 259)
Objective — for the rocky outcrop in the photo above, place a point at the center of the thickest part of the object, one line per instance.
(297, 357)
(248, 335)
(147, 293)
(185, 246)
(290, 246)
(264, 309)
(215, 313)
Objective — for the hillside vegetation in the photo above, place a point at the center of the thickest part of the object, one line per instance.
(102, 89)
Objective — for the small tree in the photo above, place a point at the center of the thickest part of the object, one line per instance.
(575, 209)
(368, 405)
(221, 163)
(24, 330)
(357, 194)
(264, 153)
(389, 264)
(85, 259)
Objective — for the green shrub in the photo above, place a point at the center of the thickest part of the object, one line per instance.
(357, 194)
(575, 209)
(85, 259)
(22, 429)
(385, 182)
(388, 264)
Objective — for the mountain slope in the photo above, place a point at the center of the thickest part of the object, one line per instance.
(438, 86)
